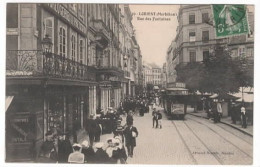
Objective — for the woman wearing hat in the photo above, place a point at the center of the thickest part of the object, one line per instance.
(101, 156)
(119, 153)
(88, 152)
(76, 156)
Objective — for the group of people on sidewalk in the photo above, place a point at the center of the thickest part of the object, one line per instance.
(214, 110)
(58, 148)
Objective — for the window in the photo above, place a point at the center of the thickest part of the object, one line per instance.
(242, 51)
(73, 47)
(205, 54)
(205, 36)
(191, 18)
(81, 50)
(48, 28)
(192, 36)
(250, 52)
(81, 11)
(205, 17)
(192, 56)
(62, 42)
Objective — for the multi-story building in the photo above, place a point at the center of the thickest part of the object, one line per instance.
(130, 52)
(48, 87)
(171, 61)
(152, 74)
(164, 76)
(195, 36)
(104, 53)
(63, 63)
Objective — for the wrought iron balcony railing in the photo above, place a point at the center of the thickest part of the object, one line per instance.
(34, 63)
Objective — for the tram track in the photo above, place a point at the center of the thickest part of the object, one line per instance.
(215, 156)
(222, 137)
(230, 132)
(184, 142)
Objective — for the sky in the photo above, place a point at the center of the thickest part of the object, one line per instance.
(154, 37)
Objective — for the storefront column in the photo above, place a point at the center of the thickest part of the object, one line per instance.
(94, 100)
(45, 115)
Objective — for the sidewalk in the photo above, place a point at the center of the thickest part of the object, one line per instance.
(224, 120)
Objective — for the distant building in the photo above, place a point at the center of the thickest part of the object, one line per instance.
(152, 74)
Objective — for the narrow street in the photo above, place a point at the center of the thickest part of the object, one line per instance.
(193, 141)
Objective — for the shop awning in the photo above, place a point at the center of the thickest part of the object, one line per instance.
(8, 101)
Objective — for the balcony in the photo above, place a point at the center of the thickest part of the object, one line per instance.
(32, 63)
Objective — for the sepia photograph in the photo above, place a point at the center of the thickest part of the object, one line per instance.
(118, 83)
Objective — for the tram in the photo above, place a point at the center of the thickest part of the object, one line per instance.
(175, 100)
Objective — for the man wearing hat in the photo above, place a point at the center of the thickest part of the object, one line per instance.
(76, 156)
(64, 148)
(91, 128)
(101, 156)
(88, 152)
(130, 138)
(155, 120)
(48, 150)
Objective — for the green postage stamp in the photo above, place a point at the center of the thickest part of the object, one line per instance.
(230, 20)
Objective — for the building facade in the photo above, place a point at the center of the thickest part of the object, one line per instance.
(152, 74)
(57, 89)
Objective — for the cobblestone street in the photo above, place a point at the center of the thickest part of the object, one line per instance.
(193, 141)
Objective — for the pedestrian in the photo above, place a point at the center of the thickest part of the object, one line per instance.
(48, 153)
(129, 118)
(159, 119)
(233, 112)
(219, 108)
(76, 156)
(98, 131)
(130, 134)
(154, 114)
(91, 129)
(119, 154)
(88, 152)
(243, 117)
(215, 111)
(101, 156)
(64, 148)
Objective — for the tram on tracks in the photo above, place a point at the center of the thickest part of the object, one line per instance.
(175, 98)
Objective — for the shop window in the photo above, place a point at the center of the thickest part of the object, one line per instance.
(192, 56)
(250, 52)
(62, 42)
(191, 18)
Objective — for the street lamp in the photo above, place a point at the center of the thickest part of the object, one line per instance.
(47, 44)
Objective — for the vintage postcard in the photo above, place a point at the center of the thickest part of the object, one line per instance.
(157, 84)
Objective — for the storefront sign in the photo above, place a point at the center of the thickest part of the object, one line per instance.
(176, 85)
(178, 92)
(68, 16)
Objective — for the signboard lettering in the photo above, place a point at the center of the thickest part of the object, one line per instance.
(68, 16)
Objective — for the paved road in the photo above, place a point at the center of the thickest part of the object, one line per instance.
(193, 141)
